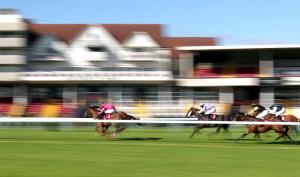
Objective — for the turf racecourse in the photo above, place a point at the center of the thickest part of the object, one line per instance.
(151, 152)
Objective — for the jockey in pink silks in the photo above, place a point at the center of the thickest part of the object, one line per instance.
(107, 109)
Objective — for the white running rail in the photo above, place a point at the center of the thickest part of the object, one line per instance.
(148, 120)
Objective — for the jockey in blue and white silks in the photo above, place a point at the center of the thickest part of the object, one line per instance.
(208, 109)
(259, 108)
(277, 110)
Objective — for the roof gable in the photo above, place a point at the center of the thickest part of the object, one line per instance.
(121, 32)
(64, 32)
(140, 39)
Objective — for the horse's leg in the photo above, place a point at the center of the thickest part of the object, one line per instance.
(196, 130)
(257, 136)
(99, 129)
(281, 135)
(285, 132)
(243, 135)
(286, 135)
(225, 127)
(219, 128)
(119, 128)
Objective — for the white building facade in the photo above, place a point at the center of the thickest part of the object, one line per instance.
(68, 63)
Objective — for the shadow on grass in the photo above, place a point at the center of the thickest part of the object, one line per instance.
(138, 139)
(262, 141)
(284, 142)
(3, 138)
(236, 139)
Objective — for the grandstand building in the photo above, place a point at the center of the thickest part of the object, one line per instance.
(126, 63)
(263, 73)
(13, 37)
(72, 62)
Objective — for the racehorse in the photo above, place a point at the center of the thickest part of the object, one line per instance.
(196, 112)
(101, 128)
(282, 130)
(286, 118)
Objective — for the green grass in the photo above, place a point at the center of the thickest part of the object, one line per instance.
(143, 153)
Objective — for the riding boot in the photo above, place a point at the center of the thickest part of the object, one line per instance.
(280, 118)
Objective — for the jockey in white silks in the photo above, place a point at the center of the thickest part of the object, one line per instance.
(277, 110)
(208, 110)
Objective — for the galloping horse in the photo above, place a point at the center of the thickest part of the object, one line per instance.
(282, 130)
(196, 112)
(286, 118)
(101, 128)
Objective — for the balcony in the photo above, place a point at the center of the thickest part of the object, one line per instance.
(210, 82)
(102, 75)
(12, 60)
(225, 72)
(207, 77)
(288, 75)
(5, 26)
(12, 42)
(9, 76)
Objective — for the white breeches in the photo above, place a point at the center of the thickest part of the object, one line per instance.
(262, 114)
(210, 111)
(280, 112)
(109, 111)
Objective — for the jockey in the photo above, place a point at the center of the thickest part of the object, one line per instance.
(209, 110)
(277, 110)
(107, 109)
(258, 108)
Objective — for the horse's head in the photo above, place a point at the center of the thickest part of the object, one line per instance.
(91, 112)
(240, 116)
(94, 107)
(87, 114)
(192, 112)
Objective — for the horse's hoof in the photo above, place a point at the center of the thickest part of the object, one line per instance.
(113, 135)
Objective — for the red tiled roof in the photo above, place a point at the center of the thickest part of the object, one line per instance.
(173, 42)
(64, 32)
(121, 32)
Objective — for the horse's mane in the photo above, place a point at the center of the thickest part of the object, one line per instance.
(247, 117)
(194, 108)
(241, 113)
(93, 107)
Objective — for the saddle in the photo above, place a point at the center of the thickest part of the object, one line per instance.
(280, 118)
(211, 116)
(105, 117)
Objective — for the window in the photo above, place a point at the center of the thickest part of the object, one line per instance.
(96, 48)
(38, 94)
(47, 52)
(12, 34)
(6, 94)
(141, 49)
(10, 68)
(12, 51)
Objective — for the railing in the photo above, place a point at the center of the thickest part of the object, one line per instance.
(240, 72)
(147, 121)
(91, 69)
(287, 71)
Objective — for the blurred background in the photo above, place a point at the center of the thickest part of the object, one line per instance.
(57, 70)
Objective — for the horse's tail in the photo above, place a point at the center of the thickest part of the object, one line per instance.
(131, 117)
